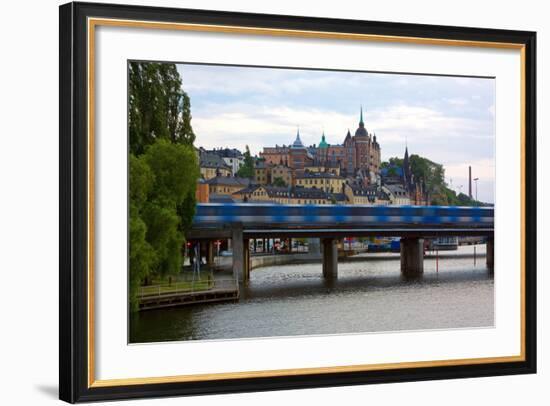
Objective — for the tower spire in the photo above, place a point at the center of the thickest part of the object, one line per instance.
(361, 122)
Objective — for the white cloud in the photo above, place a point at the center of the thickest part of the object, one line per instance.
(446, 119)
(240, 124)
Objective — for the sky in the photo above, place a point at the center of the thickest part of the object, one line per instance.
(449, 120)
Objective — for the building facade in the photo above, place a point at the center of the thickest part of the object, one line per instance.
(358, 152)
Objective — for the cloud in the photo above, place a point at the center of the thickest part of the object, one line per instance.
(449, 120)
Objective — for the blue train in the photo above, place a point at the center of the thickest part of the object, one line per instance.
(254, 214)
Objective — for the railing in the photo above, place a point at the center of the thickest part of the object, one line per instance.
(182, 287)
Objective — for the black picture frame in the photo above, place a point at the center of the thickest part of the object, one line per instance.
(73, 257)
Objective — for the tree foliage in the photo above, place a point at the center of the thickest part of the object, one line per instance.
(278, 181)
(433, 175)
(158, 107)
(163, 172)
(247, 168)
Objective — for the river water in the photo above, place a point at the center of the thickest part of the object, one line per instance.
(370, 295)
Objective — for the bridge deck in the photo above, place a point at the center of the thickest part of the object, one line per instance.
(264, 220)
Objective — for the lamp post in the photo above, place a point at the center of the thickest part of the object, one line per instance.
(475, 180)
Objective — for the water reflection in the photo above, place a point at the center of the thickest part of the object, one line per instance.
(370, 295)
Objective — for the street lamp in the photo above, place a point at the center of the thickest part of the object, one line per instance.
(475, 180)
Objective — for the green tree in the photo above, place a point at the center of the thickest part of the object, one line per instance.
(278, 181)
(158, 108)
(247, 168)
(142, 256)
(163, 172)
(433, 175)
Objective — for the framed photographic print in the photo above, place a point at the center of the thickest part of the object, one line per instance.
(257, 202)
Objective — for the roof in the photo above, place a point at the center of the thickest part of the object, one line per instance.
(308, 193)
(247, 190)
(277, 191)
(396, 190)
(229, 181)
(361, 130)
(226, 152)
(323, 143)
(382, 195)
(359, 190)
(298, 142)
(211, 160)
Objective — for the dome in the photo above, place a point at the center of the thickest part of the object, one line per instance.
(361, 130)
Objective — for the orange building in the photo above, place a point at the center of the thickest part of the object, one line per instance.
(202, 193)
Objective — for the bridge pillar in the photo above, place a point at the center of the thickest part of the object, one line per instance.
(314, 247)
(412, 256)
(210, 253)
(330, 259)
(241, 255)
(490, 258)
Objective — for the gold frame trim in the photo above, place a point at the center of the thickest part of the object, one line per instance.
(94, 22)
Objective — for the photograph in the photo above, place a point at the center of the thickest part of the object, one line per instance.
(269, 202)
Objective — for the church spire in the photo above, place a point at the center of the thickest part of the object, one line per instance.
(298, 142)
(323, 143)
(361, 122)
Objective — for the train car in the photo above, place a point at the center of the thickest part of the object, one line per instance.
(252, 214)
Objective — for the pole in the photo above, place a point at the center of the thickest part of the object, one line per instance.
(475, 251)
(436, 260)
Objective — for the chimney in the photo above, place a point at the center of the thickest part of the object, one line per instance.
(470, 181)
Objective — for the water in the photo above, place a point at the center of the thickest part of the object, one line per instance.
(370, 295)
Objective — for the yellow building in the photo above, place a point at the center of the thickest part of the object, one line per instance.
(212, 165)
(287, 195)
(397, 195)
(281, 171)
(262, 173)
(327, 182)
(226, 185)
(360, 195)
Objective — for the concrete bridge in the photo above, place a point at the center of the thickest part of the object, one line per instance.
(329, 223)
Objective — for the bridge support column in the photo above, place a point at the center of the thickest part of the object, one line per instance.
(412, 256)
(210, 253)
(314, 247)
(490, 258)
(330, 259)
(241, 255)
